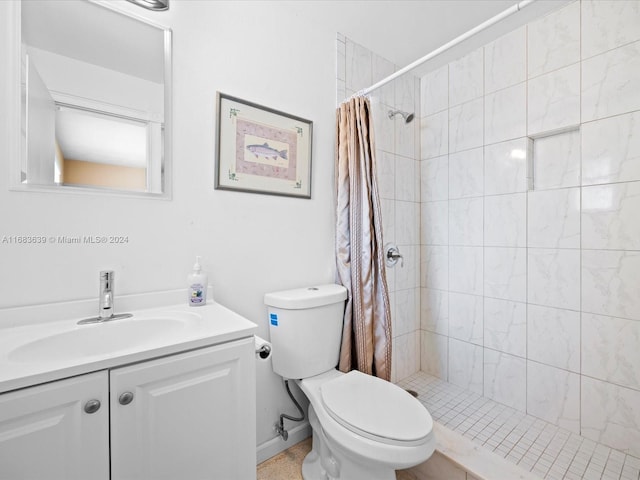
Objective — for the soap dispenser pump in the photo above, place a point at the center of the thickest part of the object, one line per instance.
(197, 282)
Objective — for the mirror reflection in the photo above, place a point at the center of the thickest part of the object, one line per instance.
(94, 98)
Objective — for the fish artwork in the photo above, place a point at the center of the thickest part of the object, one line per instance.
(266, 151)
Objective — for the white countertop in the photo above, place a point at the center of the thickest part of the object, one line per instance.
(206, 325)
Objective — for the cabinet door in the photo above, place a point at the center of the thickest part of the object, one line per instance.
(192, 416)
(45, 432)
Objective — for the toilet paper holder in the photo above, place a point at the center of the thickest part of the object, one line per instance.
(262, 348)
(263, 351)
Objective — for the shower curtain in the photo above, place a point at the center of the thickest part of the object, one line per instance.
(366, 336)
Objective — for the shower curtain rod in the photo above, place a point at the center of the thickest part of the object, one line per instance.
(506, 13)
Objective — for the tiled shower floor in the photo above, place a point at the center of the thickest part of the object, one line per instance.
(550, 452)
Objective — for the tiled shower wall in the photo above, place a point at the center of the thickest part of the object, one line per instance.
(397, 162)
(530, 220)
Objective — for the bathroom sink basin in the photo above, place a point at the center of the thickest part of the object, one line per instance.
(102, 338)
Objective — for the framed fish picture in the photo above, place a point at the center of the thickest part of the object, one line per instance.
(262, 150)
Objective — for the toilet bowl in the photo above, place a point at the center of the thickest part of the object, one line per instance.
(364, 428)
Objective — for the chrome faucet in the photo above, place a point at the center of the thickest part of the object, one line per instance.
(106, 301)
(106, 310)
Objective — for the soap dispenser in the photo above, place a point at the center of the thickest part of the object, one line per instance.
(197, 282)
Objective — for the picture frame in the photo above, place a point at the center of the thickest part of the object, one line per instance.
(261, 150)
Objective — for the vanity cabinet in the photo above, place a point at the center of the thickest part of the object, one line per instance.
(189, 416)
(45, 432)
(192, 416)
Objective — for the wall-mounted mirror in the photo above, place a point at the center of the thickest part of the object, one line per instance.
(96, 92)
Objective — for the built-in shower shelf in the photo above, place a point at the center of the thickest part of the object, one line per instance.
(553, 159)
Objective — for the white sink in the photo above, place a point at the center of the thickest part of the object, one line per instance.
(97, 339)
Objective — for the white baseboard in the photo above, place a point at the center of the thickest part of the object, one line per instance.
(276, 445)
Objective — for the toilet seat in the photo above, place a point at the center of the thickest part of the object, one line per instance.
(376, 409)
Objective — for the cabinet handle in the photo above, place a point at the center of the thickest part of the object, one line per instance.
(126, 398)
(92, 406)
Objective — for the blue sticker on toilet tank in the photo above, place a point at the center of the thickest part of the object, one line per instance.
(274, 319)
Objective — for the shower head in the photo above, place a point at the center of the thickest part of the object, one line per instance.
(406, 116)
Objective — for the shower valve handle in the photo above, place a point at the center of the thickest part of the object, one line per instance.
(393, 255)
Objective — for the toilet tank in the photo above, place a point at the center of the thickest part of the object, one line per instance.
(305, 325)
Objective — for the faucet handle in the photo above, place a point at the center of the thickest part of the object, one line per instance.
(106, 279)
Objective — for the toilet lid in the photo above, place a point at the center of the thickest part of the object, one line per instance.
(376, 409)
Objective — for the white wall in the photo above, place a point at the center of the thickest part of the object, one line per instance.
(276, 54)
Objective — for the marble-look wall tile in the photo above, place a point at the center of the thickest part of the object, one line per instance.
(610, 217)
(341, 57)
(434, 179)
(611, 83)
(611, 150)
(505, 273)
(465, 221)
(610, 283)
(466, 125)
(384, 130)
(505, 220)
(434, 223)
(434, 135)
(407, 91)
(466, 78)
(554, 278)
(556, 160)
(434, 354)
(434, 316)
(358, 66)
(505, 61)
(386, 170)
(466, 317)
(554, 218)
(407, 273)
(434, 91)
(554, 40)
(505, 114)
(466, 270)
(505, 379)
(553, 337)
(407, 221)
(406, 354)
(554, 395)
(406, 179)
(434, 267)
(505, 167)
(611, 349)
(607, 25)
(466, 174)
(382, 68)
(388, 219)
(405, 136)
(341, 91)
(505, 326)
(554, 100)
(406, 311)
(611, 415)
(466, 365)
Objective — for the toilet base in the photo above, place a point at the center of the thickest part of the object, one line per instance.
(325, 462)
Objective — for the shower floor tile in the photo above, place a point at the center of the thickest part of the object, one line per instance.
(550, 452)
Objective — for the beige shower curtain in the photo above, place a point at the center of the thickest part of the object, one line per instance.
(366, 336)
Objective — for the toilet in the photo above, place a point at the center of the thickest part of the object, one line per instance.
(364, 428)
